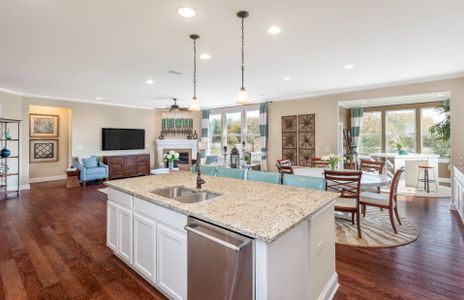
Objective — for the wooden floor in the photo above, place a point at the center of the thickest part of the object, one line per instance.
(52, 246)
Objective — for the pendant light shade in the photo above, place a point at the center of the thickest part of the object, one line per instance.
(243, 94)
(194, 103)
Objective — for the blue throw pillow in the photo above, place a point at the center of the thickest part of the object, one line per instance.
(90, 162)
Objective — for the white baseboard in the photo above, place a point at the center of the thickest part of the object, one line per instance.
(330, 288)
(21, 187)
(49, 178)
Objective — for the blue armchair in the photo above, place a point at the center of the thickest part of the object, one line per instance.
(91, 169)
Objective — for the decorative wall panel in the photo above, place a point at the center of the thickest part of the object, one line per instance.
(290, 138)
(298, 138)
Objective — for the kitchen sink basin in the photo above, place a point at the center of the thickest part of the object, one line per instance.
(185, 195)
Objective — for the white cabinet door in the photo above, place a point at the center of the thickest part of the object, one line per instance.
(172, 261)
(145, 246)
(125, 234)
(112, 226)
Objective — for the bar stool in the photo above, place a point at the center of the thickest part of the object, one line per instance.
(426, 179)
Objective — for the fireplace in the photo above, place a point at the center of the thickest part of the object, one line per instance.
(185, 157)
(187, 150)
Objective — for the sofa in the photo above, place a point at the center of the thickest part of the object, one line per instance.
(91, 168)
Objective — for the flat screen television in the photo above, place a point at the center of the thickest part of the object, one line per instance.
(123, 139)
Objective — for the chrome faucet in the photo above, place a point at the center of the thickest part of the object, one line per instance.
(200, 181)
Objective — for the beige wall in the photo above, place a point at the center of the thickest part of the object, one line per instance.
(344, 117)
(55, 168)
(327, 115)
(87, 121)
(11, 105)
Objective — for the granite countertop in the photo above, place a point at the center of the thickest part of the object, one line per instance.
(259, 210)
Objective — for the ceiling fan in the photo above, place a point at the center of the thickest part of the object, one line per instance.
(176, 107)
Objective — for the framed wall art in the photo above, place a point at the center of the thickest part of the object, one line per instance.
(43, 151)
(41, 126)
(290, 139)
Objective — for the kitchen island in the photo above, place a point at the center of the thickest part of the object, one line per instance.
(292, 230)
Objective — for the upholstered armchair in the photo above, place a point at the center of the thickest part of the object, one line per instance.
(91, 169)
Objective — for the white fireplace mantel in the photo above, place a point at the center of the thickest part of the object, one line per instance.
(171, 144)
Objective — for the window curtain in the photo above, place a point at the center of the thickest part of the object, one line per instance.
(356, 123)
(263, 132)
(204, 125)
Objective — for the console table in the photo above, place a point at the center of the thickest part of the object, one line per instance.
(121, 166)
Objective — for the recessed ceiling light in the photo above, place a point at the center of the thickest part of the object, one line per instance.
(186, 12)
(205, 56)
(274, 30)
(149, 81)
(287, 78)
(349, 67)
(98, 98)
(440, 95)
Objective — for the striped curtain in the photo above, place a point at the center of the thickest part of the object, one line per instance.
(263, 132)
(356, 123)
(204, 125)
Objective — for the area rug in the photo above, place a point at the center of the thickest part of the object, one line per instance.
(376, 230)
(443, 192)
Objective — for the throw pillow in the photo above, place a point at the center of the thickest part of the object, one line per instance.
(90, 162)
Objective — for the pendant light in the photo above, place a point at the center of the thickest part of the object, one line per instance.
(242, 94)
(194, 104)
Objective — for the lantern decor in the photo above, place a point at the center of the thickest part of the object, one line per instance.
(234, 158)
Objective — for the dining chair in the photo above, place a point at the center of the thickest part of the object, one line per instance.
(284, 166)
(348, 184)
(206, 170)
(309, 182)
(372, 166)
(389, 201)
(268, 177)
(230, 173)
(316, 162)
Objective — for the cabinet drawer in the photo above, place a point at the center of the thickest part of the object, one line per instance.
(160, 214)
(121, 198)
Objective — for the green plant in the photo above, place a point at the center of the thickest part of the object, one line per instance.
(399, 147)
(442, 130)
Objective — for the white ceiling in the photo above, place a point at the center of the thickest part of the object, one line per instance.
(108, 48)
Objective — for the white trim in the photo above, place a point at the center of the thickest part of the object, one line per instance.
(21, 187)
(330, 288)
(49, 178)
(75, 100)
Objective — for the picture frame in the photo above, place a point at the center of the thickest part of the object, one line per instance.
(43, 151)
(43, 126)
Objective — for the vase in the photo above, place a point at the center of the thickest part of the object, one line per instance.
(5, 152)
(195, 135)
(8, 134)
(171, 165)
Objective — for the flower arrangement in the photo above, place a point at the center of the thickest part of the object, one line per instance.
(171, 157)
(332, 159)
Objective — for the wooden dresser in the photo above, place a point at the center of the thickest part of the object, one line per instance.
(120, 166)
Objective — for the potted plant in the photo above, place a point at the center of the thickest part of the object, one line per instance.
(332, 160)
(171, 157)
(400, 150)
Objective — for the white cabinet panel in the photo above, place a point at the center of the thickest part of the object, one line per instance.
(172, 261)
(145, 246)
(125, 228)
(120, 197)
(112, 226)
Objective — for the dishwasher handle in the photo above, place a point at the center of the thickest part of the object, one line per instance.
(193, 228)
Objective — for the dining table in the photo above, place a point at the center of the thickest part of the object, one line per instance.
(369, 180)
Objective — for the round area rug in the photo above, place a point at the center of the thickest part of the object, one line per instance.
(376, 230)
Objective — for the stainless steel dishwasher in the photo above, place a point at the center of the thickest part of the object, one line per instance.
(220, 263)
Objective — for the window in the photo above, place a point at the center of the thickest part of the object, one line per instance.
(401, 130)
(370, 140)
(252, 124)
(430, 145)
(215, 134)
(231, 127)
(233, 130)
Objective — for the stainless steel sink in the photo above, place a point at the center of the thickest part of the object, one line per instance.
(185, 195)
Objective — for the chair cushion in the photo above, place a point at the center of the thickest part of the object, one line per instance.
(96, 170)
(374, 198)
(345, 203)
(90, 162)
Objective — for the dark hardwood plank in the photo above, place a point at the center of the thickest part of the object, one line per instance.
(11, 280)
